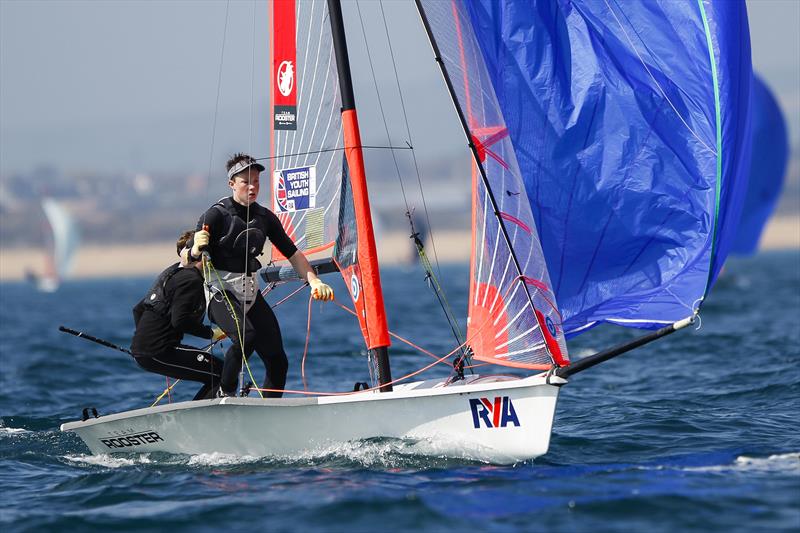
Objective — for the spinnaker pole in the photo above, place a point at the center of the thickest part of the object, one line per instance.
(377, 332)
(605, 355)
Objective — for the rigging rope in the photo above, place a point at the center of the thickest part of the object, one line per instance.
(216, 105)
(166, 391)
(438, 360)
(247, 211)
(305, 348)
(207, 264)
(338, 148)
(408, 135)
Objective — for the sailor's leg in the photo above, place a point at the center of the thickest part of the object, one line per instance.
(269, 346)
(187, 363)
(223, 313)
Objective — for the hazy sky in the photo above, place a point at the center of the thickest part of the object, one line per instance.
(131, 85)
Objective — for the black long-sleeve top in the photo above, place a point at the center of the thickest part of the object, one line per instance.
(155, 333)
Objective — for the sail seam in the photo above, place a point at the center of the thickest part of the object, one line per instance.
(663, 92)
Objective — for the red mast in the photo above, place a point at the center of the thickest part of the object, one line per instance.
(374, 319)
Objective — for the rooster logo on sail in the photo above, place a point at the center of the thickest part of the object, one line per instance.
(286, 78)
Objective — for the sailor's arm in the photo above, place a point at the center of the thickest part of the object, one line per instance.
(319, 290)
(187, 298)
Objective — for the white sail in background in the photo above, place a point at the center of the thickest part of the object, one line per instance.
(66, 237)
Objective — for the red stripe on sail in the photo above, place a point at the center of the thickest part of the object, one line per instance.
(283, 80)
(284, 61)
(515, 220)
(535, 282)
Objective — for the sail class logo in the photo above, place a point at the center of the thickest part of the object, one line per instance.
(496, 413)
(286, 78)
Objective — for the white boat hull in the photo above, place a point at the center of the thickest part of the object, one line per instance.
(496, 419)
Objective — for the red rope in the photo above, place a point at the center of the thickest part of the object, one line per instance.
(398, 337)
(305, 350)
(300, 288)
(402, 378)
(438, 360)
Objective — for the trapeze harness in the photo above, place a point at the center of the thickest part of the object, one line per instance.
(234, 255)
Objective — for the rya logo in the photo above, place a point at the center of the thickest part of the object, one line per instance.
(286, 78)
(494, 414)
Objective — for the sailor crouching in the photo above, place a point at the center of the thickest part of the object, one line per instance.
(175, 306)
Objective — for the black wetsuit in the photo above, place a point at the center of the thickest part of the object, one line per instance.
(156, 345)
(260, 326)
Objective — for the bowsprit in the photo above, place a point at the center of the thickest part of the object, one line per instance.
(497, 413)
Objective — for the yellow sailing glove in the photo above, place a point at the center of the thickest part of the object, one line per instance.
(217, 334)
(320, 291)
(201, 239)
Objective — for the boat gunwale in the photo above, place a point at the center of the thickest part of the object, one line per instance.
(408, 391)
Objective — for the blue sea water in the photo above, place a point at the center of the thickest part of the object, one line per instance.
(696, 432)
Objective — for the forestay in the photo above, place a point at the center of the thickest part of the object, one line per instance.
(513, 316)
(630, 124)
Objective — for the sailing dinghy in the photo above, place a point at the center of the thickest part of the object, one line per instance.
(62, 246)
(607, 140)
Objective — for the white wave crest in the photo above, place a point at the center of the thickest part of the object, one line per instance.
(388, 452)
(220, 459)
(12, 431)
(109, 461)
(783, 462)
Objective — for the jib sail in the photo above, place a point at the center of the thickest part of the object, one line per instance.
(513, 317)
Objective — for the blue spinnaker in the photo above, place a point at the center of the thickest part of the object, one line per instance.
(767, 167)
(630, 124)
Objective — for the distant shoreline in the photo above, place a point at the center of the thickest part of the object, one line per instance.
(135, 260)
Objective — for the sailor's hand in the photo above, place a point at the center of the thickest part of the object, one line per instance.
(217, 334)
(201, 239)
(320, 291)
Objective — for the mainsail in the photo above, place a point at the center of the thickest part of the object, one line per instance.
(318, 186)
(306, 133)
(767, 167)
(630, 125)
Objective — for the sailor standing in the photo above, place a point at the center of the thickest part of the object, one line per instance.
(237, 230)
